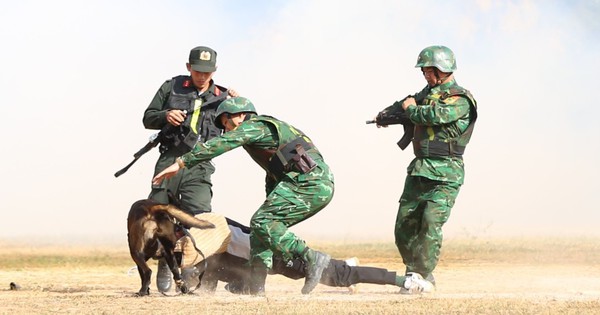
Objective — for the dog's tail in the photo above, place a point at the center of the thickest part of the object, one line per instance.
(182, 216)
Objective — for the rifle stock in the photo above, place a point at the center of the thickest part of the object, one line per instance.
(154, 141)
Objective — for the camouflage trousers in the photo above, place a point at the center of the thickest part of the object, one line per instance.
(425, 206)
(293, 200)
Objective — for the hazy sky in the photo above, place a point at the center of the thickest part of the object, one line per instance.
(77, 76)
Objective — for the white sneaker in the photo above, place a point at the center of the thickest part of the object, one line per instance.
(415, 284)
(352, 262)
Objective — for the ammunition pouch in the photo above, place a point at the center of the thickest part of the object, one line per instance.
(292, 157)
(181, 137)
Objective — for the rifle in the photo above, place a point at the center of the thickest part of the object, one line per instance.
(154, 141)
(170, 136)
(386, 118)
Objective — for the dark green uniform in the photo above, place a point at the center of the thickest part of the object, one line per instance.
(443, 124)
(193, 185)
(292, 196)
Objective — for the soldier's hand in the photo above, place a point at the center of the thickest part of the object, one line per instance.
(166, 173)
(232, 92)
(175, 117)
(376, 123)
(409, 101)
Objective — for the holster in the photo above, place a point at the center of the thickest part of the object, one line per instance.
(301, 162)
(292, 157)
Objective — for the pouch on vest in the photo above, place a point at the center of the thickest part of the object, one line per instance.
(181, 137)
(292, 157)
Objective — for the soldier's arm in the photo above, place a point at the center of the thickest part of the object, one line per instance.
(247, 132)
(447, 111)
(155, 116)
(397, 106)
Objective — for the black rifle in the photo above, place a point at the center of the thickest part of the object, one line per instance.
(169, 136)
(154, 141)
(385, 118)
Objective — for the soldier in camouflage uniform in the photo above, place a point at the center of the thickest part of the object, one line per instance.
(443, 114)
(298, 185)
(184, 109)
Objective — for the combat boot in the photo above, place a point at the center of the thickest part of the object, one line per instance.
(315, 263)
(164, 277)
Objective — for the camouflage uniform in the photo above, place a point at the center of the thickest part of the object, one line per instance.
(292, 196)
(442, 118)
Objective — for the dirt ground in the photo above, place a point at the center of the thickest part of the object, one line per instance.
(73, 280)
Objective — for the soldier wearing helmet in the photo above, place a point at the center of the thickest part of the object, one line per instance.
(440, 119)
(439, 61)
(299, 184)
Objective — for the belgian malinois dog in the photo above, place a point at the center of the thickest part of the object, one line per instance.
(149, 223)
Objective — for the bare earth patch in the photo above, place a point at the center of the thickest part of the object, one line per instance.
(474, 277)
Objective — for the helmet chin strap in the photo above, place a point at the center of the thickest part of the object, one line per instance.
(438, 79)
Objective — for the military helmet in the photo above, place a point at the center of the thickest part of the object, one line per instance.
(233, 105)
(440, 57)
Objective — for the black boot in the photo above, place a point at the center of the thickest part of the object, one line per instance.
(315, 262)
(258, 277)
(164, 278)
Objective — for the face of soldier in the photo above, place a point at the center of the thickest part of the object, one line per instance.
(200, 79)
(435, 77)
(230, 122)
(430, 77)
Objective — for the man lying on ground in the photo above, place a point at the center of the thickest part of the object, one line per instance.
(229, 262)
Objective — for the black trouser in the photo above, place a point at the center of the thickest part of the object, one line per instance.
(337, 273)
(236, 270)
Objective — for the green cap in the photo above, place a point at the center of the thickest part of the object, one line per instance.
(203, 59)
(233, 105)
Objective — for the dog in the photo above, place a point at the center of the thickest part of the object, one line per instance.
(150, 223)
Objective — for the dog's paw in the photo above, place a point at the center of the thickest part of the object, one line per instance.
(184, 289)
(143, 293)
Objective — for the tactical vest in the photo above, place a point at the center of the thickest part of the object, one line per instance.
(444, 140)
(199, 122)
(292, 153)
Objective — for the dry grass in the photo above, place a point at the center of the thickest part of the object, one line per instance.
(505, 276)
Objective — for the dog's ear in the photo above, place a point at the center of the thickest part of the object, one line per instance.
(183, 217)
